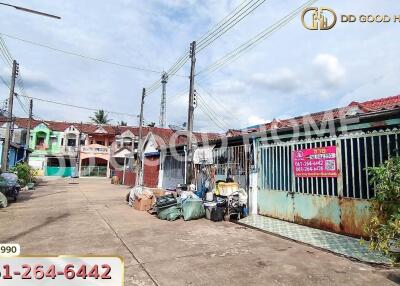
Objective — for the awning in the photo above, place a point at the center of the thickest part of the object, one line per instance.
(203, 155)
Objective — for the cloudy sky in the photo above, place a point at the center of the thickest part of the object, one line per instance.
(293, 72)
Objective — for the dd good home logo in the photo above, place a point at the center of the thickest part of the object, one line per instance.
(322, 18)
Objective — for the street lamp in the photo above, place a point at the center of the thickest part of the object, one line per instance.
(30, 11)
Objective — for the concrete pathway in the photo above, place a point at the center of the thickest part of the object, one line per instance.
(336, 243)
(92, 218)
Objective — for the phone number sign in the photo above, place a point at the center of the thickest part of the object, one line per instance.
(315, 162)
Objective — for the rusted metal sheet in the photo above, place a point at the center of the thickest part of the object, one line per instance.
(340, 215)
(354, 215)
(276, 204)
(317, 211)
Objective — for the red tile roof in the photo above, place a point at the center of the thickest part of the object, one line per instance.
(164, 136)
(169, 137)
(376, 105)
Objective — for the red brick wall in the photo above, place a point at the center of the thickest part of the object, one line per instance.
(151, 167)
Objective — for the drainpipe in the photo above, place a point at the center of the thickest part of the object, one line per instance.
(185, 151)
(254, 179)
(141, 175)
(123, 172)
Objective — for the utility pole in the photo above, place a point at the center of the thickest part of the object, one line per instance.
(28, 133)
(139, 152)
(189, 173)
(78, 153)
(163, 107)
(6, 144)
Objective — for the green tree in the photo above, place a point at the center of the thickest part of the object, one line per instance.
(384, 225)
(122, 123)
(100, 117)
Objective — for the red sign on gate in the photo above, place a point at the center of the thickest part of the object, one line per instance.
(315, 162)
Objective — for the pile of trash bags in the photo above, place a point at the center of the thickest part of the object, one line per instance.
(188, 206)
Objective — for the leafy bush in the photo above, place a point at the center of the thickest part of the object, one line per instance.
(26, 174)
(384, 225)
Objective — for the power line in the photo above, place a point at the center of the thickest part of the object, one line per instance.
(9, 58)
(212, 120)
(215, 115)
(77, 106)
(229, 21)
(4, 82)
(22, 105)
(5, 52)
(219, 103)
(82, 55)
(231, 56)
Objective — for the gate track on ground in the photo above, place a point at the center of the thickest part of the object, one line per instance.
(122, 241)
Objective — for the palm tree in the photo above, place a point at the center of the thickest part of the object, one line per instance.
(100, 117)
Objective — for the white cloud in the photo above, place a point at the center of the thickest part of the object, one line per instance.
(283, 79)
(230, 87)
(255, 120)
(330, 69)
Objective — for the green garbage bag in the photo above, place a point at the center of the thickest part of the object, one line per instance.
(192, 209)
(3, 200)
(170, 214)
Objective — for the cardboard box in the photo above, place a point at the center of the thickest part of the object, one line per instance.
(143, 204)
(158, 192)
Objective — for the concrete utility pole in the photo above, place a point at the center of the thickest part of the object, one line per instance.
(28, 133)
(139, 152)
(78, 153)
(189, 173)
(163, 107)
(6, 145)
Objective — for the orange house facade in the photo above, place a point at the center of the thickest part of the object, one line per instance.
(94, 157)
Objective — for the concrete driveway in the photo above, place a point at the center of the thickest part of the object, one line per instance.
(92, 218)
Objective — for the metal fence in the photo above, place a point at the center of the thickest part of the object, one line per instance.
(356, 152)
(94, 171)
(173, 170)
(232, 161)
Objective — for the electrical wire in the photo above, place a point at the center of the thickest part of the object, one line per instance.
(9, 59)
(104, 61)
(22, 105)
(212, 120)
(5, 52)
(229, 21)
(4, 82)
(77, 106)
(236, 53)
(214, 114)
(222, 107)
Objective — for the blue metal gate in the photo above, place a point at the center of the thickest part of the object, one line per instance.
(337, 204)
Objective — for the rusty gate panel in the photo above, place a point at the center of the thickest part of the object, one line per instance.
(354, 215)
(338, 204)
(276, 204)
(317, 211)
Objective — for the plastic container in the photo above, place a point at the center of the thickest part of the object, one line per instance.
(208, 208)
(227, 189)
(209, 196)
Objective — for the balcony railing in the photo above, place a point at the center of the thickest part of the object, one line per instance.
(41, 147)
(70, 149)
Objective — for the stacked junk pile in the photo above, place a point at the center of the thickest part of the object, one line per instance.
(222, 202)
